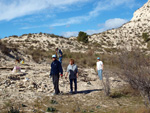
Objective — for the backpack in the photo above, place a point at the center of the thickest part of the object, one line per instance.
(60, 52)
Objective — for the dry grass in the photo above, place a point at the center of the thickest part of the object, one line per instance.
(95, 102)
(39, 55)
(89, 59)
(137, 72)
(4, 49)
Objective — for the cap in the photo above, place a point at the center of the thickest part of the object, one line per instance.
(53, 56)
(98, 58)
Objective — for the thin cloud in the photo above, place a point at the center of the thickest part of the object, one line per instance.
(32, 27)
(101, 6)
(69, 34)
(67, 25)
(90, 32)
(34, 18)
(114, 23)
(109, 24)
(18, 8)
(73, 20)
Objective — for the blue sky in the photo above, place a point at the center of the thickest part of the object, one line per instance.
(64, 17)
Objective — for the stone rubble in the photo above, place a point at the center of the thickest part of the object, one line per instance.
(36, 83)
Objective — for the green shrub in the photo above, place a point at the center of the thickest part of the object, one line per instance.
(25, 35)
(13, 110)
(29, 35)
(40, 33)
(145, 36)
(83, 37)
(51, 109)
(15, 36)
(4, 49)
(148, 45)
(55, 36)
(53, 102)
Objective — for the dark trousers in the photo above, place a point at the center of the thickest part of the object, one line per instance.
(71, 84)
(56, 83)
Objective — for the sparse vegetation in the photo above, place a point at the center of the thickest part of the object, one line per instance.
(13, 110)
(137, 72)
(4, 49)
(14, 36)
(145, 36)
(82, 59)
(55, 36)
(39, 54)
(106, 85)
(29, 35)
(40, 33)
(51, 109)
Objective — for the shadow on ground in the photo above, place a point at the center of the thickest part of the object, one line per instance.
(88, 91)
(84, 92)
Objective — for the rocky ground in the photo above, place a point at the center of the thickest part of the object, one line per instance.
(32, 88)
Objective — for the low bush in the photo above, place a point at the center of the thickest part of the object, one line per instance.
(13, 110)
(136, 71)
(39, 55)
(51, 109)
(106, 85)
(4, 49)
(81, 59)
(145, 36)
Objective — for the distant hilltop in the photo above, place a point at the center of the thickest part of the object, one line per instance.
(135, 33)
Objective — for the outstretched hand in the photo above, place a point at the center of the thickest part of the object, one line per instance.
(77, 75)
(65, 77)
(61, 75)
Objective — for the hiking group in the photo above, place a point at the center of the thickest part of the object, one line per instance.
(72, 71)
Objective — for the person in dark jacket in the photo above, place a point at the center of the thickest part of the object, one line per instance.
(56, 69)
(72, 70)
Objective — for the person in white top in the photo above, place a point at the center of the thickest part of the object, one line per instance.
(99, 68)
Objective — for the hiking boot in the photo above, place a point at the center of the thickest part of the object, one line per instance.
(71, 92)
(75, 92)
(53, 94)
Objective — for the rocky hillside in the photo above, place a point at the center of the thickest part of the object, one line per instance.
(130, 34)
(135, 33)
(43, 41)
(30, 46)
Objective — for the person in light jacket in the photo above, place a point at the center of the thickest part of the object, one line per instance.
(99, 68)
(72, 70)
